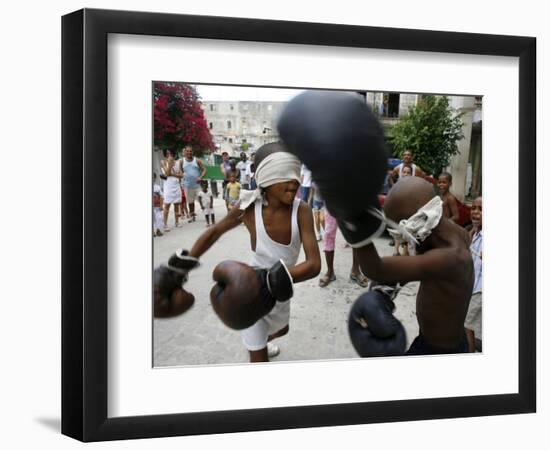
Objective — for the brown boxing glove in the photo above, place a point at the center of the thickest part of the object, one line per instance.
(242, 295)
(169, 298)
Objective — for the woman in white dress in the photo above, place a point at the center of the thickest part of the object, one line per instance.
(171, 169)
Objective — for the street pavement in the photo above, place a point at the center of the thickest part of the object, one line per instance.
(318, 317)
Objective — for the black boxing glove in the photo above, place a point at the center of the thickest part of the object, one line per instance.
(278, 281)
(373, 329)
(360, 228)
(336, 131)
(242, 295)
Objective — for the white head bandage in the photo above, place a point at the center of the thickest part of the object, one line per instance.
(420, 225)
(275, 168)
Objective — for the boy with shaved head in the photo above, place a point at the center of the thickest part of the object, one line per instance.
(327, 129)
(442, 264)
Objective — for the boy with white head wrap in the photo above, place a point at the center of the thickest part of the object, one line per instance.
(279, 226)
(277, 167)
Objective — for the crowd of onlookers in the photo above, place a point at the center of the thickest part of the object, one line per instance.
(184, 186)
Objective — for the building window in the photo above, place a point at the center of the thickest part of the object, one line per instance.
(211, 125)
(390, 105)
(228, 124)
(245, 107)
(269, 107)
(212, 107)
(231, 107)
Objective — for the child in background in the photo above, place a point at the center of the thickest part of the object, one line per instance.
(450, 205)
(472, 324)
(231, 172)
(233, 190)
(158, 222)
(406, 172)
(206, 200)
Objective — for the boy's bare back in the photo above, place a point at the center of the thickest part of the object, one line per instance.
(442, 300)
(443, 266)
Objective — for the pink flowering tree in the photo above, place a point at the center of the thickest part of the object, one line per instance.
(179, 119)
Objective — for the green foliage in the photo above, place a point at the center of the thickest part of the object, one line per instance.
(431, 131)
(245, 146)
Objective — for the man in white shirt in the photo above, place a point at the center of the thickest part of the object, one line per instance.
(243, 166)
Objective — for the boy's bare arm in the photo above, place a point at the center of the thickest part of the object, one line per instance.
(438, 263)
(311, 267)
(453, 208)
(212, 234)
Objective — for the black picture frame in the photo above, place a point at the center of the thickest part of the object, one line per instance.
(84, 224)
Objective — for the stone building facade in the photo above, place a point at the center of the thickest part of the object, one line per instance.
(233, 123)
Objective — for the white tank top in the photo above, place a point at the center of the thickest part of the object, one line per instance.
(268, 252)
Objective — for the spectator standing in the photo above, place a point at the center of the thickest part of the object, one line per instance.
(225, 166)
(171, 170)
(251, 172)
(193, 173)
(472, 324)
(242, 166)
(158, 223)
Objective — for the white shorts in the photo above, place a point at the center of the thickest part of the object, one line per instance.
(208, 211)
(191, 194)
(255, 337)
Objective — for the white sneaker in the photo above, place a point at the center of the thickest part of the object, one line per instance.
(319, 237)
(272, 350)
